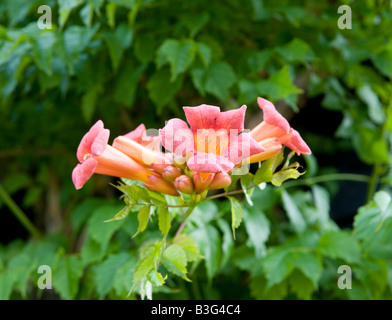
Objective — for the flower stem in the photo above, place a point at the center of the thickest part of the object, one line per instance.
(19, 214)
(182, 225)
(328, 177)
(306, 182)
(373, 182)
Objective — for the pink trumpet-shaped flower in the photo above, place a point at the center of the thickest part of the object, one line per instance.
(215, 141)
(96, 156)
(274, 132)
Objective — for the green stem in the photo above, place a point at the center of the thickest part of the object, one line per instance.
(182, 225)
(373, 182)
(306, 182)
(19, 214)
(156, 205)
(327, 178)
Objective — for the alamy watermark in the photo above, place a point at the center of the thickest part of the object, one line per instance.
(45, 20)
(344, 21)
(344, 281)
(44, 281)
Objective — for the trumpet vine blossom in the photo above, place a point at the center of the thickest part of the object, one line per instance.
(202, 152)
(214, 142)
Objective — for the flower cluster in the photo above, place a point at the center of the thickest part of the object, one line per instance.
(198, 157)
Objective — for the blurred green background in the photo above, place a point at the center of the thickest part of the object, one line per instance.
(128, 62)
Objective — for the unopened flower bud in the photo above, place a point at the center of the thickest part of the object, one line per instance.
(202, 180)
(159, 167)
(170, 173)
(221, 180)
(157, 183)
(184, 184)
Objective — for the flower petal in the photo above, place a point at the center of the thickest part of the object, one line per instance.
(272, 148)
(83, 172)
(136, 151)
(242, 147)
(272, 116)
(100, 143)
(232, 119)
(209, 162)
(140, 136)
(88, 139)
(137, 134)
(177, 137)
(297, 144)
(202, 117)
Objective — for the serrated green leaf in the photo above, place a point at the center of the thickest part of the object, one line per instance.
(194, 22)
(246, 180)
(143, 217)
(258, 229)
(123, 278)
(209, 243)
(66, 275)
(188, 244)
(373, 226)
(42, 51)
(142, 270)
(338, 244)
(290, 173)
(104, 272)
(296, 50)
(301, 285)
(93, 250)
(310, 265)
(6, 285)
(161, 90)
(236, 214)
(375, 109)
(164, 220)
(87, 14)
(145, 47)
(21, 267)
(227, 241)
(179, 54)
(122, 214)
(156, 278)
(370, 146)
(117, 41)
(278, 264)
(218, 79)
(267, 168)
(110, 9)
(197, 75)
(174, 259)
(127, 82)
(89, 101)
(383, 62)
(204, 52)
(294, 214)
(83, 211)
(98, 229)
(278, 86)
(65, 8)
(258, 60)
